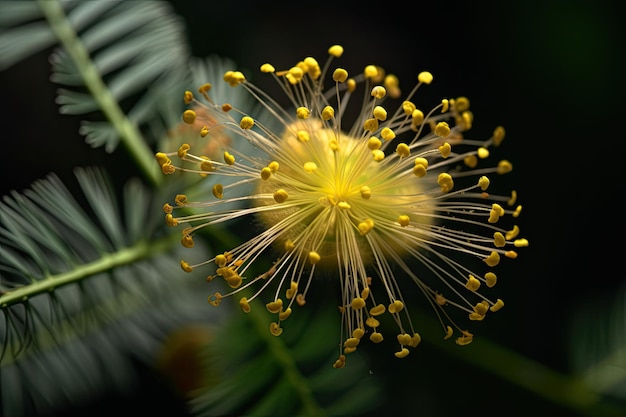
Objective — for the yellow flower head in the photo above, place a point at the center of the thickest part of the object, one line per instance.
(375, 193)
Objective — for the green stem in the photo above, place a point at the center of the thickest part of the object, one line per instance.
(286, 360)
(129, 134)
(106, 262)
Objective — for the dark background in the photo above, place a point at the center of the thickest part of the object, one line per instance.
(550, 72)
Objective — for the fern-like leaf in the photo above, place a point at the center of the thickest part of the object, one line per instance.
(598, 340)
(82, 290)
(258, 374)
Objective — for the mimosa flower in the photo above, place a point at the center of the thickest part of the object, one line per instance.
(391, 194)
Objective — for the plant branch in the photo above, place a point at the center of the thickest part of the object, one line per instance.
(129, 134)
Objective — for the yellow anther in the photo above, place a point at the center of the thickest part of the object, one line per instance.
(344, 205)
(376, 337)
(517, 211)
(267, 68)
(378, 155)
(483, 183)
(475, 316)
(370, 71)
(403, 150)
(372, 322)
(297, 73)
(445, 182)
(510, 254)
(513, 198)
(289, 245)
(504, 167)
(392, 84)
(351, 342)
(284, 315)
(340, 75)
(204, 131)
(498, 135)
(366, 192)
(243, 303)
(481, 308)
(188, 97)
(221, 260)
(466, 339)
(189, 116)
(374, 143)
(204, 88)
(395, 307)
(493, 259)
(274, 306)
(181, 199)
(378, 310)
(303, 113)
(497, 306)
(417, 117)
(314, 257)
(404, 220)
(512, 234)
(266, 173)
(246, 122)
(425, 77)
(472, 283)
(171, 220)
(162, 158)
(491, 279)
(340, 363)
(387, 134)
(314, 68)
(482, 152)
(187, 241)
(206, 165)
(365, 292)
(419, 169)
(370, 125)
(408, 107)
(168, 169)
(440, 299)
(380, 113)
(292, 290)
(445, 104)
(215, 299)
(366, 226)
(445, 150)
(229, 158)
(226, 107)
(280, 196)
(449, 333)
(167, 208)
(404, 339)
(495, 213)
(328, 113)
(498, 240)
(185, 266)
(520, 243)
(233, 78)
(273, 166)
(218, 190)
(415, 340)
(350, 85)
(300, 300)
(402, 353)
(310, 166)
(378, 92)
(234, 281)
(335, 51)
(442, 129)
(333, 144)
(461, 104)
(275, 329)
(471, 161)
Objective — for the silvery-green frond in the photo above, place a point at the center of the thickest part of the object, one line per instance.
(598, 345)
(119, 64)
(84, 289)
